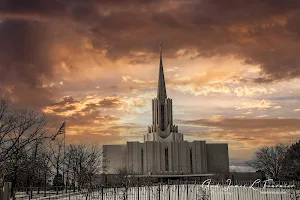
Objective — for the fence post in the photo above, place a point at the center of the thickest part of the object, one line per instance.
(30, 193)
(45, 190)
(159, 191)
(238, 194)
(169, 191)
(115, 193)
(178, 189)
(13, 193)
(102, 196)
(138, 192)
(187, 190)
(294, 187)
(149, 191)
(6, 191)
(1, 193)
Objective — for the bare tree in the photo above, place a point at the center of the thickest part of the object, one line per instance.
(270, 160)
(291, 168)
(124, 180)
(18, 129)
(56, 157)
(27, 158)
(56, 154)
(28, 167)
(16, 166)
(83, 163)
(38, 164)
(44, 163)
(123, 177)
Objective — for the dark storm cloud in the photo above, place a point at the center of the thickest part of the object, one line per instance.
(33, 6)
(24, 52)
(265, 33)
(76, 8)
(25, 60)
(261, 32)
(29, 54)
(27, 41)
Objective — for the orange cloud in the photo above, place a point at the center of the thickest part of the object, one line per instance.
(260, 105)
(244, 134)
(204, 90)
(102, 52)
(68, 106)
(248, 91)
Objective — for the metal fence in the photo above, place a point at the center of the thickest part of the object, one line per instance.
(171, 191)
(45, 192)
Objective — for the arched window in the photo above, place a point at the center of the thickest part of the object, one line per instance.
(142, 161)
(166, 159)
(191, 160)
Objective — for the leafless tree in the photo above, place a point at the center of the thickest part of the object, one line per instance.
(28, 166)
(18, 130)
(291, 169)
(44, 162)
(124, 179)
(39, 164)
(270, 160)
(83, 162)
(28, 156)
(56, 151)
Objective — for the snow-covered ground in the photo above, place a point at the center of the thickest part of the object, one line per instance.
(185, 192)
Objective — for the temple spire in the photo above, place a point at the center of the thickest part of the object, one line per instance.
(161, 91)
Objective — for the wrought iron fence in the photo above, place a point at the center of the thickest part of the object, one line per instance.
(44, 192)
(170, 191)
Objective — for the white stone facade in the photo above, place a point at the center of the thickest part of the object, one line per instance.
(164, 149)
(185, 157)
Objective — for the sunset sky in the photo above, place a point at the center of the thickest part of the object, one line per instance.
(232, 67)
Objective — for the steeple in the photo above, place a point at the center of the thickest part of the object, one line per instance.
(161, 90)
(162, 127)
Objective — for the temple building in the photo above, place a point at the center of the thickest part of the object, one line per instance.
(164, 149)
